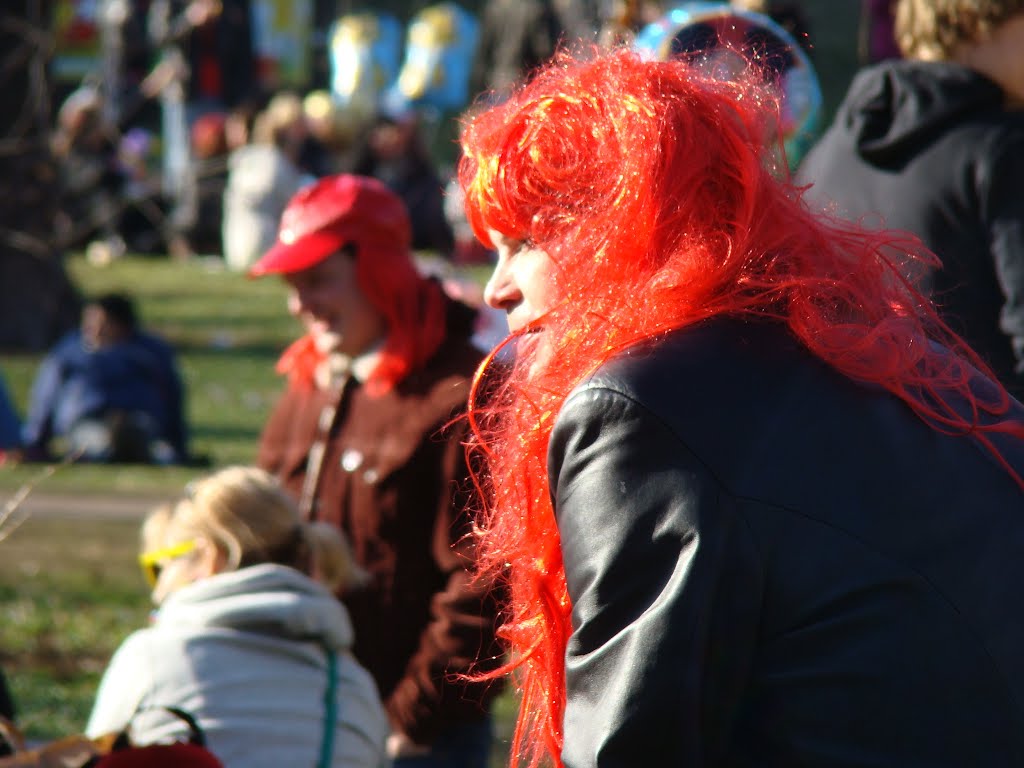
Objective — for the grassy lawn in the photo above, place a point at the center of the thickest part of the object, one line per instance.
(70, 589)
(69, 593)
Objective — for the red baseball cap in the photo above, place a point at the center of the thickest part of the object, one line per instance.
(331, 213)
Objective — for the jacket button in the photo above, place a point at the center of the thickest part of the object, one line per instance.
(351, 460)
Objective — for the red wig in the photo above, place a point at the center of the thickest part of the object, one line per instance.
(414, 308)
(657, 194)
(360, 212)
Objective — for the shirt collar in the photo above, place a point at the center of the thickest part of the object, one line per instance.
(337, 368)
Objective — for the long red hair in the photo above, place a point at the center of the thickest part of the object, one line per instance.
(660, 197)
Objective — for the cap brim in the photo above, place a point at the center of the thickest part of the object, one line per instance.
(294, 257)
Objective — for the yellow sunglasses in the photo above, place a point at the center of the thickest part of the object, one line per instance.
(152, 562)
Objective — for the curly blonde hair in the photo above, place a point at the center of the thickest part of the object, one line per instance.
(932, 30)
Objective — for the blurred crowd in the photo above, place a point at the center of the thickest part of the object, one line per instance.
(180, 142)
(181, 139)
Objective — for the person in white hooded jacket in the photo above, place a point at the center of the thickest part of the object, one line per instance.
(244, 640)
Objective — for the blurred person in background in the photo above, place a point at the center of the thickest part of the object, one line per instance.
(215, 39)
(208, 46)
(244, 640)
(368, 437)
(262, 176)
(788, 14)
(109, 391)
(331, 135)
(145, 209)
(10, 427)
(239, 123)
(623, 19)
(467, 249)
(517, 36)
(934, 145)
(127, 59)
(394, 152)
(877, 35)
(90, 182)
(201, 208)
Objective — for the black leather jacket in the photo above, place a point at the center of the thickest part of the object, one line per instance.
(771, 565)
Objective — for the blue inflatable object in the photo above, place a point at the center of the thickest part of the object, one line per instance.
(440, 46)
(365, 50)
(722, 40)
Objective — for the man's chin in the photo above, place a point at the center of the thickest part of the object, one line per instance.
(327, 343)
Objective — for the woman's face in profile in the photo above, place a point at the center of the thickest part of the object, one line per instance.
(523, 283)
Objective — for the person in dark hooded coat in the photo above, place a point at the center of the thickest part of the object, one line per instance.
(933, 145)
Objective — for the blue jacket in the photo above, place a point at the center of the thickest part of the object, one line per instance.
(73, 383)
(9, 426)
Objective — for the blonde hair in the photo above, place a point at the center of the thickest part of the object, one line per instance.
(332, 561)
(932, 30)
(332, 124)
(153, 534)
(246, 515)
(272, 124)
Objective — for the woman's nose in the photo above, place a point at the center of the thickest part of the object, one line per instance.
(501, 291)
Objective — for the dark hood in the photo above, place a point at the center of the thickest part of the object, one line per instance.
(894, 107)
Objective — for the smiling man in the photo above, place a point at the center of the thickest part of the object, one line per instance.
(363, 437)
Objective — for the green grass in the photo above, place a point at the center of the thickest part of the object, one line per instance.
(69, 593)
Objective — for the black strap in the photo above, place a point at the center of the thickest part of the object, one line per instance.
(317, 452)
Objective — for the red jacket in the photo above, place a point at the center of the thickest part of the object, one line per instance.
(394, 478)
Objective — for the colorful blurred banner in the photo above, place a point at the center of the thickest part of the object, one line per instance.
(77, 39)
(364, 52)
(439, 51)
(282, 31)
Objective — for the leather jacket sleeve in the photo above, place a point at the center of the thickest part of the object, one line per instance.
(665, 583)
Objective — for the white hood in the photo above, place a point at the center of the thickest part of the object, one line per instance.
(263, 599)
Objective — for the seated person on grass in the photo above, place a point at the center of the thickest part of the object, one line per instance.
(109, 391)
(245, 638)
(10, 427)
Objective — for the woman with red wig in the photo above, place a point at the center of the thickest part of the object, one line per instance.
(755, 502)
